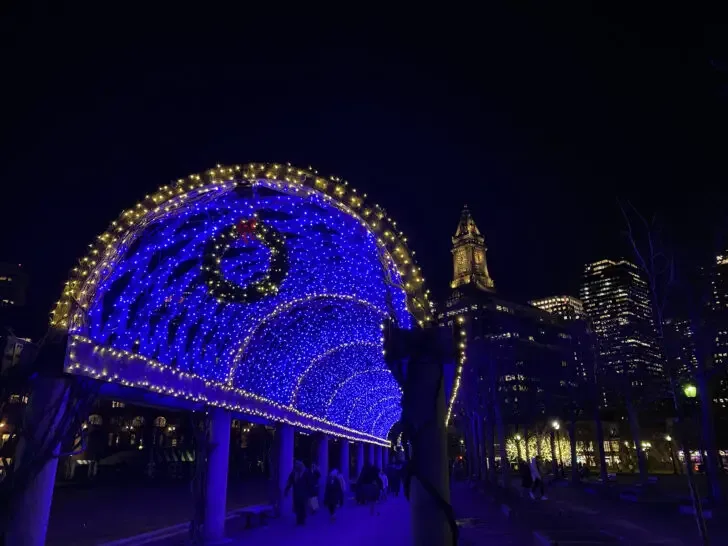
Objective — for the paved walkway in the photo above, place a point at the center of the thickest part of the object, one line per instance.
(480, 521)
(353, 526)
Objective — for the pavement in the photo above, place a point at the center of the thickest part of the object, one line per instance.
(480, 522)
(97, 513)
(594, 509)
(587, 512)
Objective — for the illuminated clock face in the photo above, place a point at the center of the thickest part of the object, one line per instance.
(478, 256)
(461, 261)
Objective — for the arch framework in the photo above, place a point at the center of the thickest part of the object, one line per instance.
(261, 288)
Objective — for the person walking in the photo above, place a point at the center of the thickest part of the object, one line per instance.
(333, 493)
(315, 477)
(537, 479)
(369, 486)
(394, 479)
(526, 479)
(300, 481)
(342, 482)
(385, 485)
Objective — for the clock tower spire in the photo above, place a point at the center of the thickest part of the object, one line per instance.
(468, 255)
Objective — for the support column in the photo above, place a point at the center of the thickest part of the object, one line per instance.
(428, 520)
(385, 456)
(370, 454)
(217, 475)
(344, 462)
(378, 456)
(30, 511)
(359, 459)
(285, 466)
(322, 459)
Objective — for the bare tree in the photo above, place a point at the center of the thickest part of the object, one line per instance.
(658, 264)
(50, 428)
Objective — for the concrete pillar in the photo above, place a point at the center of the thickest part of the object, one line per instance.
(217, 475)
(359, 459)
(30, 511)
(322, 459)
(377, 456)
(344, 461)
(370, 454)
(385, 454)
(428, 521)
(284, 433)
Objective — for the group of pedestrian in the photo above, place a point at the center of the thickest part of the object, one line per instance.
(305, 486)
(374, 485)
(532, 477)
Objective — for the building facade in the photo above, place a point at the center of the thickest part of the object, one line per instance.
(13, 284)
(617, 302)
(566, 308)
(521, 359)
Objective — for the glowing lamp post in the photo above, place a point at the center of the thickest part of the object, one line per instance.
(554, 464)
(668, 439)
(690, 391)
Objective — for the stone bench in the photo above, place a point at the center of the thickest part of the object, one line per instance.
(629, 495)
(572, 538)
(686, 508)
(258, 512)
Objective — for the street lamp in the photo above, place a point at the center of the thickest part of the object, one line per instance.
(690, 391)
(517, 437)
(554, 427)
(668, 439)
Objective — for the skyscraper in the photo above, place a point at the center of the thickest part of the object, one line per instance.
(616, 300)
(13, 283)
(564, 307)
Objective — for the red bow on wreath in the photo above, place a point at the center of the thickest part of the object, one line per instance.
(246, 229)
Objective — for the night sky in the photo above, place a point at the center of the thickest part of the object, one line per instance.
(537, 120)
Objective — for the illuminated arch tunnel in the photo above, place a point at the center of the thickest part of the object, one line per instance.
(259, 288)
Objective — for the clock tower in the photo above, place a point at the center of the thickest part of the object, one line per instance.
(468, 255)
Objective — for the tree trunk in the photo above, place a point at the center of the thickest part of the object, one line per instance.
(708, 435)
(490, 450)
(699, 518)
(482, 454)
(525, 441)
(505, 465)
(600, 444)
(634, 426)
(39, 447)
(572, 439)
(554, 462)
(473, 462)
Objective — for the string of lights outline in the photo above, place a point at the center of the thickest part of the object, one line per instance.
(92, 267)
(323, 356)
(75, 365)
(462, 357)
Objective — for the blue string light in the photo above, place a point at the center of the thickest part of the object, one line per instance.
(268, 285)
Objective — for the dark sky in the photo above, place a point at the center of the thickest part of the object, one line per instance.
(538, 120)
